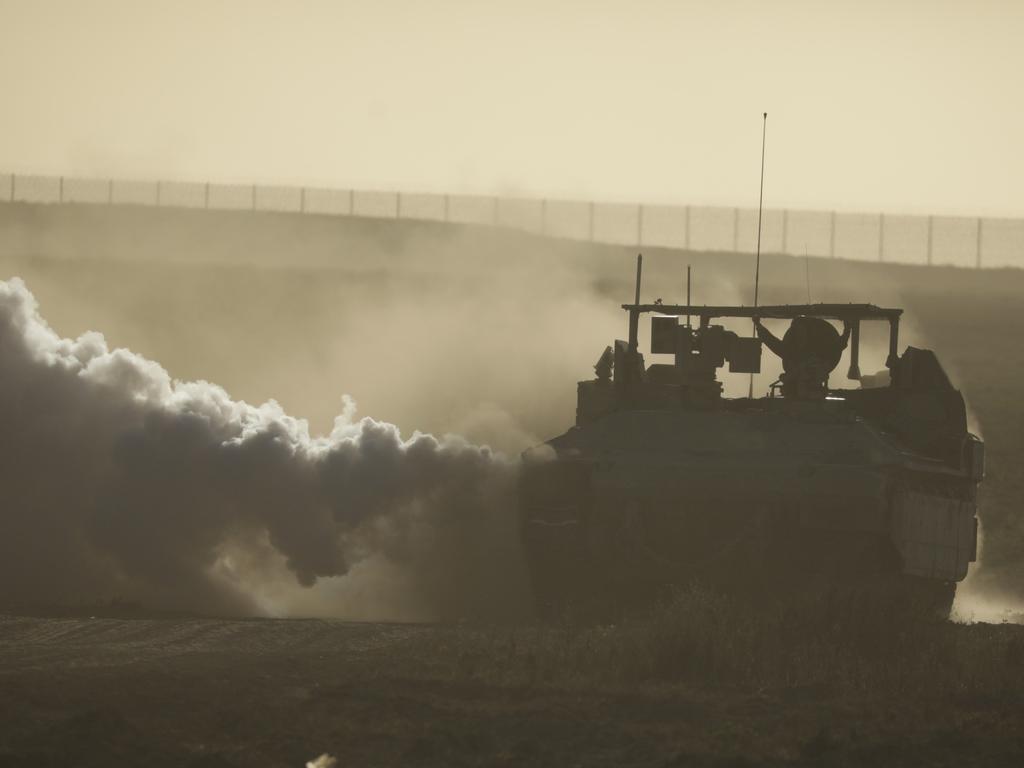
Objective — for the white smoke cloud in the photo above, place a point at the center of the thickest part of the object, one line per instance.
(119, 481)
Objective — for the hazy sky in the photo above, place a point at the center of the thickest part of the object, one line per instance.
(898, 106)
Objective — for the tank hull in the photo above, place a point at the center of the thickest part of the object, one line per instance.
(631, 504)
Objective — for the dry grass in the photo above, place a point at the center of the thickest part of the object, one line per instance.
(701, 638)
(700, 681)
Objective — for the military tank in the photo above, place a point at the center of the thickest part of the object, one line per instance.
(664, 480)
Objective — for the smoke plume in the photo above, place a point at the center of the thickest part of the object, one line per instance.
(121, 482)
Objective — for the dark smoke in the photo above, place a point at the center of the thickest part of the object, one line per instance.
(120, 482)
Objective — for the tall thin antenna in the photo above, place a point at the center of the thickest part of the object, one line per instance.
(634, 313)
(639, 272)
(760, 206)
(687, 295)
(757, 266)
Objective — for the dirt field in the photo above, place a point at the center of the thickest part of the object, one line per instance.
(243, 693)
(701, 682)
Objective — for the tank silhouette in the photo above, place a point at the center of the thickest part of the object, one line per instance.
(663, 480)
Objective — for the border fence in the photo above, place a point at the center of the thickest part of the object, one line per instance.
(904, 239)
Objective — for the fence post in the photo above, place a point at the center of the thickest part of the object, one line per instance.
(977, 247)
(832, 235)
(931, 222)
(881, 237)
(735, 230)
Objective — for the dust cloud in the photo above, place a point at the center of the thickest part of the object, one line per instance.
(184, 497)
(127, 483)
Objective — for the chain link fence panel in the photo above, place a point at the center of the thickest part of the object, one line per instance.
(422, 206)
(279, 199)
(37, 189)
(808, 232)
(954, 241)
(181, 194)
(905, 240)
(91, 191)
(1002, 243)
(329, 202)
(134, 193)
(616, 223)
(743, 237)
(230, 197)
(857, 236)
(664, 226)
(375, 204)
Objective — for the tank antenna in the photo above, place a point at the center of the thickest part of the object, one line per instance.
(634, 312)
(757, 263)
(760, 203)
(639, 272)
(687, 295)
